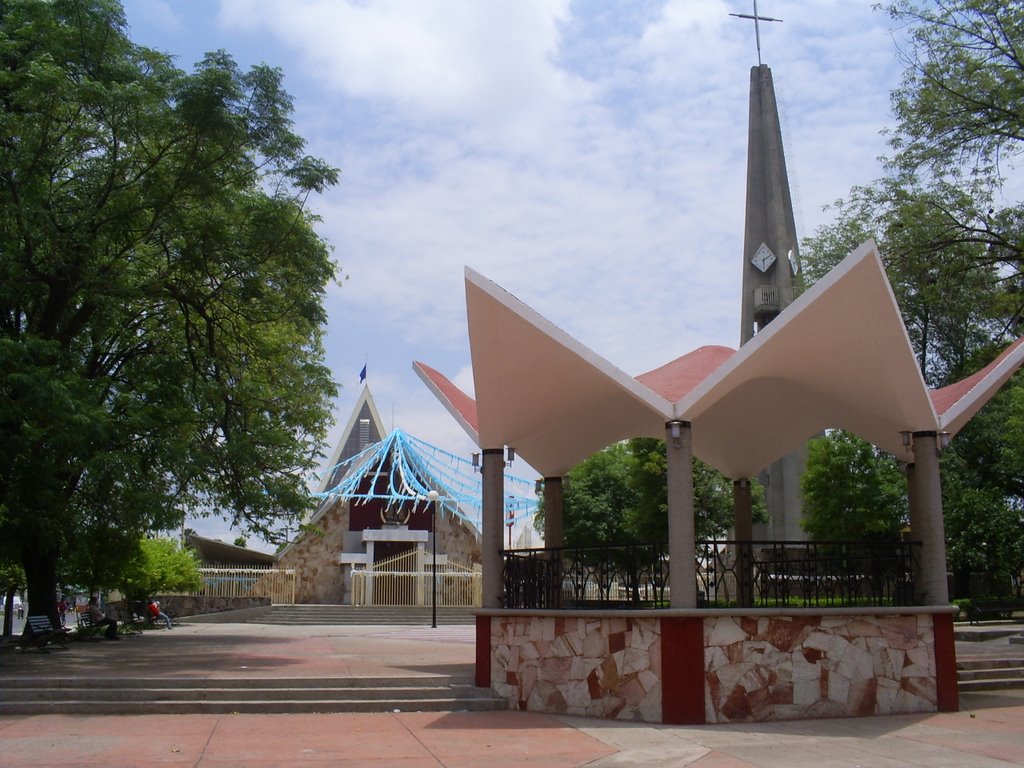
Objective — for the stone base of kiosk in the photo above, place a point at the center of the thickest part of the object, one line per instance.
(720, 666)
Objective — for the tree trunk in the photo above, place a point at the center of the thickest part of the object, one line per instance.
(8, 612)
(41, 581)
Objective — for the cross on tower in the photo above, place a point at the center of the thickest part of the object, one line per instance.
(757, 29)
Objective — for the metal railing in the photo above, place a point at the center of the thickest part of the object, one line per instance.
(276, 583)
(405, 581)
(728, 573)
(634, 576)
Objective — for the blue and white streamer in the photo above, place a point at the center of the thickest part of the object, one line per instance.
(413, 467)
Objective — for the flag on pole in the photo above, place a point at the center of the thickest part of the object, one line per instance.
(362, 374)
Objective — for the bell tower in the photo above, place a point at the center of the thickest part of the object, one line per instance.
(771, 260)
(771, 274)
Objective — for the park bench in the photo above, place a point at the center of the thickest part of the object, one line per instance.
(1000, 608)
(90, 630)
(87, 628)
(39, 633)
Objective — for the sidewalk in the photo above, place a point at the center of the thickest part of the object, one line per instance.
(988, 732)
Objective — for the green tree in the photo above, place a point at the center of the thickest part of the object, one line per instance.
(161, 288)
(953, 298)
(712, 495)
(619, 496)
(952, 238)
(958, 106)
(598, 499)
(851, 490)
(162, 565)
(12, 579)
(983, 494)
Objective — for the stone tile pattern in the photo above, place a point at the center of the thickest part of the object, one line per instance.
(756, 668)
(604, 667)
(788, 668)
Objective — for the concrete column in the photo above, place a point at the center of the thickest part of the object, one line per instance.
(924, 489)
(553, 510)
(743, 530)
(681, 546)
(917, 524)
(493, 503)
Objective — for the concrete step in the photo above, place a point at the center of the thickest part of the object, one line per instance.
(246, 706)
(242, 683)
(995, 684)
(232, 694)
(365, 615)
(992, 663)
(257, 696)
(990, 674)
(1001, 673)
(983, 634)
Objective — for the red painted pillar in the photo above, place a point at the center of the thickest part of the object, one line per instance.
(682, 670)
(947, 691)
(483, 651)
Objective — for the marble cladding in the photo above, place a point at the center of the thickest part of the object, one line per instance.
(603, 667)
(803, 667)
(755, 668)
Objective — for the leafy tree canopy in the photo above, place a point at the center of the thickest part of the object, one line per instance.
(161, 288)
(619, 496)
(952, 237)
(162, 565)
(958, 106)
(851, 490)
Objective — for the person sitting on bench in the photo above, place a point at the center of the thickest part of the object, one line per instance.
(99, 619)
(156, 613)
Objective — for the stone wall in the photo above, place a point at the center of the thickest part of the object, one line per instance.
(457, 538)
(319, 578)
(785, 668)
(180, 606)
(598, 667)
(755, 668)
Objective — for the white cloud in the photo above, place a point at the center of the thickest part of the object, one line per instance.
(588, 157)
(455, 61)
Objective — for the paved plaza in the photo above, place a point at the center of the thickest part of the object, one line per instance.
(989, 731)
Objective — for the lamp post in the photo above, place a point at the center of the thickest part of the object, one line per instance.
(433, 496)
(510, 519)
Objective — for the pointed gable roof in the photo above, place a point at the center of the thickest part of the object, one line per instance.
(364, 427)
(839, 356)
(461, 406)
(957, 403)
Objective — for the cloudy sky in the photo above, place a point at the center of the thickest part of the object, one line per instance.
(589, 157)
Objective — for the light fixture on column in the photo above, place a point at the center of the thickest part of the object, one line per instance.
(942, 440)
(511, 456)
(538, 487)
(908, 439)
(675, 430)
(476, 462)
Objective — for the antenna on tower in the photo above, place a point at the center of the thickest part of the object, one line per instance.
(757, 29)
